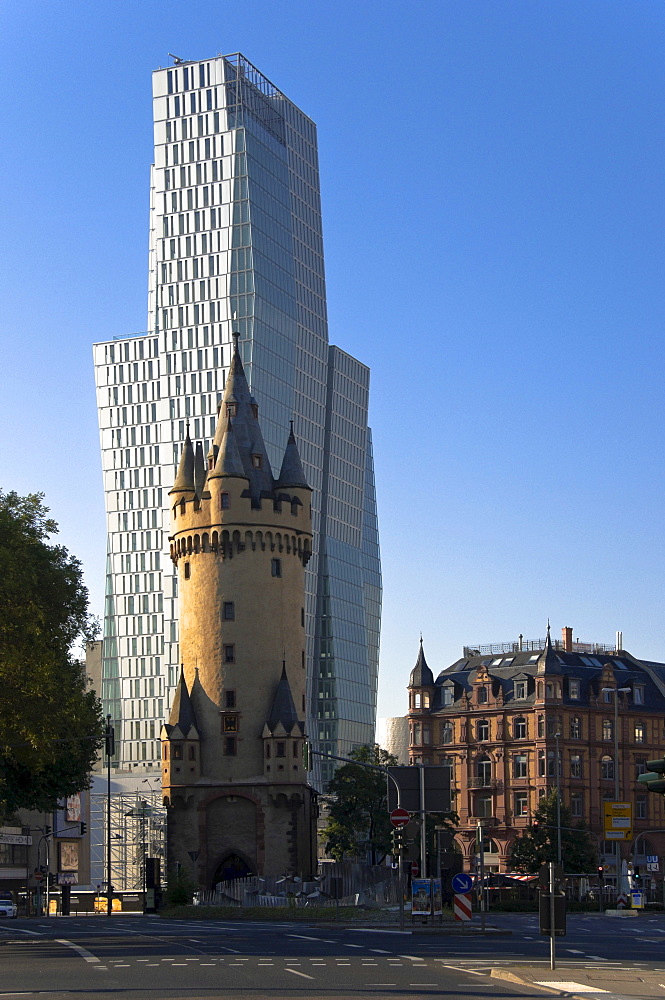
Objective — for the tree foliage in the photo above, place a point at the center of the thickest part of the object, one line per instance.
(358, 822)
(538, 844)
(50, 726)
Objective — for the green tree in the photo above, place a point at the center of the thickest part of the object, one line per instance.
(50, 726)
(358, 822)
(538, 843)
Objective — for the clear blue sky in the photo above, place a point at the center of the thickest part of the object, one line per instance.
(492, 179)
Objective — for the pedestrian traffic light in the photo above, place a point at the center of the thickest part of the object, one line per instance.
(47, 830)
(636, 875)
(84, 827)
(601, 871)
(654, 776)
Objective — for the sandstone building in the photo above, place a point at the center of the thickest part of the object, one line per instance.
(236, 791)
(502, 717)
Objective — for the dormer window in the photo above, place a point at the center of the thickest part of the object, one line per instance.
(520, 690)
(574, 689)
(447, 696)
(257, 461)
(482, 695)
(230, 409)
(638, 694)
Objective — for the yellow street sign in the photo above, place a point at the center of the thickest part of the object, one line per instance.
(618, 820)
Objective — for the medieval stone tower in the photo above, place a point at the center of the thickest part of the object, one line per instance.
(232, 773)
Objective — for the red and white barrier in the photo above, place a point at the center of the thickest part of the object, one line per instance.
(462, 906)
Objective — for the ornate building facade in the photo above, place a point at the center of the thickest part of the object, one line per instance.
(237, 795)
(505, 719)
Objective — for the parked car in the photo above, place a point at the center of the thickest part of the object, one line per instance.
(8, 906)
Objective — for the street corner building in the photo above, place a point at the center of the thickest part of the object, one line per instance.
(504, 716)
(237, 794)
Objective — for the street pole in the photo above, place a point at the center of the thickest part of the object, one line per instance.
(552, 917)
(481, 858)
(423, 831)
(617, 791)
(48, 877)
(557, 771)
(110, 749)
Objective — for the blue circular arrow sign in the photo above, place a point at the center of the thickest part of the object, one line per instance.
(462, 882)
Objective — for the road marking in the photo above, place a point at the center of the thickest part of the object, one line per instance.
(305, 937)
(379, 951)
(573, 951)
(597, 958)
(83, 952)
(19, 930)
(423, 984)
(296, 973)
(353, 946)
(570, 987)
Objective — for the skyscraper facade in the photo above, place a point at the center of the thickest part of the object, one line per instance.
(235, 246)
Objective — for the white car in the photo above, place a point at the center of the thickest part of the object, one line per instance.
(7, 906)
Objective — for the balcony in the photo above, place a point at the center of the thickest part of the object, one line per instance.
(481, 782)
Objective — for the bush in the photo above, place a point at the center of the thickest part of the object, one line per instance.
(180, 889)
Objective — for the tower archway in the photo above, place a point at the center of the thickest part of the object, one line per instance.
(231, 866)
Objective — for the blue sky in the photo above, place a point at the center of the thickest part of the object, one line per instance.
(492, 183)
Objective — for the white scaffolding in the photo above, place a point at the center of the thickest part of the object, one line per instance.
(138, 831)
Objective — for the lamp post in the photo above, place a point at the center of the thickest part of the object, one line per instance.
(617, 789)
(557, 774)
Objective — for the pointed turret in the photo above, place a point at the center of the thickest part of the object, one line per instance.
(283, 708)
(228, 461)
(182, 711)
(548, 662)
(421, 675)
(239, 406)
(199, 470)
(184, 480)
(291, 473)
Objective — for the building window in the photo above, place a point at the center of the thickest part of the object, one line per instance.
(640, 766)
(426, 699)
(229, 654)
(177, 751)
(608, 729)
(521, 803)
(230, 699)
(482, 695)
(229, 746)
(541, 726)
(639, 732)
(483, 806)
(427, 738)
(638, 694)
(224, 501)
(575, 728)
(416, 700)
(607, 695)
(416, 735)
(447, 732)
(187, 571)
(641, 807)
(575, 765)
(606, 767)
(519, 728)
(577, 804)
(276, 567)
(256, 461)
(520, 690)
(447, 696)
(280, 749)
(574, 688)
(482, 730)
(553, 725)
(484, 770)
(192, 752)
(520, 767)
(228, 611)
(230, 724)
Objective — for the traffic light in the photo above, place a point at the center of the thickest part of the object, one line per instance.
(52, 879)
(398, 840)
(636, 875)
(47, 830)
(601, 872)
(84, 827)
(654, 777)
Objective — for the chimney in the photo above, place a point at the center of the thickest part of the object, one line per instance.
(567, 637)
(619, 642)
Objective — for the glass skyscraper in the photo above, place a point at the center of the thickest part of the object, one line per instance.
(235, 245)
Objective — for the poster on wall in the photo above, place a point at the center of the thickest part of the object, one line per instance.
(421, 897)
(73, 808)
(69, 856)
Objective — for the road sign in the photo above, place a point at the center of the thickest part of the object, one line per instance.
(618, 820)
(415, 868)
(38, 877)
(462, 907)
(462, 882)
(399, 817)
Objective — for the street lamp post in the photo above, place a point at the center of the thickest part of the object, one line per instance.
(617, 788)
(557, 773)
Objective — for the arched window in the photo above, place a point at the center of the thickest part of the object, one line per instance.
(416, 700)
(519, 728)
(484, 770)
(482, 730)
(426, 699)
(447, 732)
(607, 767)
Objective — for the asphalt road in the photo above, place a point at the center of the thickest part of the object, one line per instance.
(141, 957)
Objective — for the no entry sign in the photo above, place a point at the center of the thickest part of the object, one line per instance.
(399, 817)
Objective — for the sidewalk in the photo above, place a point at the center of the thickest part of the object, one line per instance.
(586, 983)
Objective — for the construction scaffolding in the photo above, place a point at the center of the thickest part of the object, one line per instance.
(138, 831)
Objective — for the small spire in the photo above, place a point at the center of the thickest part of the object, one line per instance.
(421, 675)
(283, 708)
(228, 461)
(184, 480)
(182, 711)
(292, 473)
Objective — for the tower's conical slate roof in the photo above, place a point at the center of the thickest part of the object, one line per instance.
(228, 461)
(182, 711)
(283, 708)
(421, 675)
(291, 473)
(184, 480)
(239, 407)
